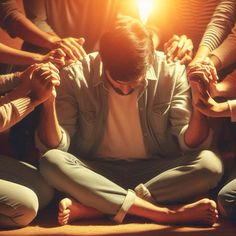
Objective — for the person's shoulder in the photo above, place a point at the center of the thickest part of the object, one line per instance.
(160, 61)
(81, 70)
(88, 59)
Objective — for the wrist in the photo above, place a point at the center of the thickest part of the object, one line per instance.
(49, 103)
(38, 58)
(53, 40)
(216, 61)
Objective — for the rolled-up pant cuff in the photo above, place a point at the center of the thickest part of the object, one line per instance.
(128, 202)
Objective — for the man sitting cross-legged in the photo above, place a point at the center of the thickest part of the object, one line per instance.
(124, 138)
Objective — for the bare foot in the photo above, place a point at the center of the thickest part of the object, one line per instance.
(203, 212)
(70, 210)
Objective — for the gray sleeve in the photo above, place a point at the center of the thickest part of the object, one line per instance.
(220, 25)
(226, 52)
(9, 12)
(36, 12)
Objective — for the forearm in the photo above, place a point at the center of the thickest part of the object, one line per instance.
(220, 25)
(197, 131)
(49, 130)
(202, 52)
(26, 30)
(18, 57)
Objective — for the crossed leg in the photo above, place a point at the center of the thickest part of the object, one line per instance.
(201, 212)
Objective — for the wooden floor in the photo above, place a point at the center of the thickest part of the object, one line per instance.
(46, 225)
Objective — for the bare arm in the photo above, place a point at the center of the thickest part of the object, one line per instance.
(18, 57)
(49, 130)
(198, 129)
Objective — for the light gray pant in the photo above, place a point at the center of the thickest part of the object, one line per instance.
(22, 192)
(107, 184)
(227, 197)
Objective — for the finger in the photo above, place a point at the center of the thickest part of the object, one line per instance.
(58, 61)
(168, 44)
(198, 76)
(185, 60)
(51, 65)
(68, 51)
(59, 52)
(75, 48)
(81, 41)
(171, 51)
(214, 73)
(184, 50)
(182, 41)
(79, 50)
(52, 77)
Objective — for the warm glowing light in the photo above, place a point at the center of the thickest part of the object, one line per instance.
(145, 7)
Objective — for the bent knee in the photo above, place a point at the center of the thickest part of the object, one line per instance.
(50, 156)
(227, 202)
(27, 216)
(211, 167)
(22, 212)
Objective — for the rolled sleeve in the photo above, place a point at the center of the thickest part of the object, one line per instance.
(232, 107)
(204, 145)
(128, 202)
(63, 145)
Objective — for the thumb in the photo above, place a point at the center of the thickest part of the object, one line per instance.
(81, 41)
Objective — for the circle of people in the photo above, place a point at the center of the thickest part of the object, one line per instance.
(129, 112)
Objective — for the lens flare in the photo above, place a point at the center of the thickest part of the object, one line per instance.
(145, 8)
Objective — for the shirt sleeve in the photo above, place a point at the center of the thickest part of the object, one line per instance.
(226, 52)
(232, 107)
(14, 111)
(35, 10)
(180, 105)
(8, 82)
(220, 25)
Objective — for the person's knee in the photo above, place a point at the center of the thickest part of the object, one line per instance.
(25, 211)
(49, 161)
(226, 202)
(50, 156)
(211, 168)
(27, 216)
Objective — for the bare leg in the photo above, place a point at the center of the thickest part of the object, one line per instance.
(200, 212)
(71, 210)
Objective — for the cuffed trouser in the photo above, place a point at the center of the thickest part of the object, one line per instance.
(227, 198)
(22, 192)
(106, 185)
